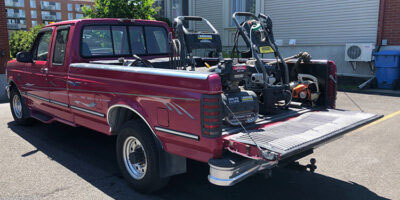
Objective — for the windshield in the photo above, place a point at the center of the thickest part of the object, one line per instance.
(123, 40)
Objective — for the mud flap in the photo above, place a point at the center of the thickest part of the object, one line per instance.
(304, 132)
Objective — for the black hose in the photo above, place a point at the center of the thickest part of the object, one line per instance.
(286, 68)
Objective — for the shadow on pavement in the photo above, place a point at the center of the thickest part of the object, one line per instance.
(88, 153)
(4, 100)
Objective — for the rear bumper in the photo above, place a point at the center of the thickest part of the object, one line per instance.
(229, 171)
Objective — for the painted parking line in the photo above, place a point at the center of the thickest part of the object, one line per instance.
(380, 120)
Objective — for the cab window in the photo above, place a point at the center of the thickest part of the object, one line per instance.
(60, 46)
(137, 40)
(41, 48)
(156, 39)
(96, 41)
(120, 40)
(123, 40)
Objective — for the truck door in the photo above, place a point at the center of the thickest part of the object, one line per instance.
(58, 74)
(36, 84)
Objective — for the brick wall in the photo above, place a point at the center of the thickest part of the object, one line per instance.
(389, 22)
(4, 49)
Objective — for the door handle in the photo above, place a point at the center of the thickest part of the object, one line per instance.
(44, 70)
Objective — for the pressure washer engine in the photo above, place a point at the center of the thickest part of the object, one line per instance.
(240, 106)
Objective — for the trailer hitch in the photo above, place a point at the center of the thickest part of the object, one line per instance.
(311, 167)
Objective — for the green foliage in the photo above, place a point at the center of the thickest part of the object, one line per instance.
(133, 9)
(22, 40)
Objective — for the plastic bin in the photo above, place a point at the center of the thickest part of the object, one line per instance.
(387, 65)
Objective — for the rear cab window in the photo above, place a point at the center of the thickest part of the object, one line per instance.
(123, 40)
(156, 39)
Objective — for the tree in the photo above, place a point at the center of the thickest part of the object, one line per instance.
(134, 9)
(23, 40)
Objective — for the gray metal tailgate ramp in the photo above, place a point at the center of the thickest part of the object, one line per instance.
(307, 130)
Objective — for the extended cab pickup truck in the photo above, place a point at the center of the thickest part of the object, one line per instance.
(74, 74)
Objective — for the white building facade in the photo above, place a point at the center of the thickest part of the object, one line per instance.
(321, 27)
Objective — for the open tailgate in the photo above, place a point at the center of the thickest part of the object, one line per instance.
(297, 134)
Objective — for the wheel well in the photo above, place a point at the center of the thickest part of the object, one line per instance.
(117, 116)
(169, 164)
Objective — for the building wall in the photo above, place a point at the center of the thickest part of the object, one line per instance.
(211, 10)
(324, 22)
(389, 24)
(320, 27)
(324, 27)
(4, 48)
(39, 17)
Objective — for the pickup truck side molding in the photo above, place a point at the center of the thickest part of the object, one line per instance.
(144, 70)
(178, 133)
(87, 111)
(108, 114)
(117, 93)
(64, 104)
(36, 97)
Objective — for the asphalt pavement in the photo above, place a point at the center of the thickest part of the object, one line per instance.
(60, 162)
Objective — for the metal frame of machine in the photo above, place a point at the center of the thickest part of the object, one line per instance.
(248, 88)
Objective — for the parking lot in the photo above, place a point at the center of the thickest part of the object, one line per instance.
(60, 162)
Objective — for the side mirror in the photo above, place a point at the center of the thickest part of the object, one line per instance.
(24, 57)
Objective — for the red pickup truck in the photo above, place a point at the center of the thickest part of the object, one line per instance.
(75, 74)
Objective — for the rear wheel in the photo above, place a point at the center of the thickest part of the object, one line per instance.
(138, 157)
(19, 109)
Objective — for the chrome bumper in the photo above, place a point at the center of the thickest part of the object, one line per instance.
(231, 172)
(8, 91)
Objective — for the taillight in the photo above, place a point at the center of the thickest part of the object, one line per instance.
(211, 116)
(332, 84)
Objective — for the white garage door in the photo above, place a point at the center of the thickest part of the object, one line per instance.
(324, 22)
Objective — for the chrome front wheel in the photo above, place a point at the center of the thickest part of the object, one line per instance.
(17, 106)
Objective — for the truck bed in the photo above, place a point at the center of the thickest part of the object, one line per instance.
(266, 119)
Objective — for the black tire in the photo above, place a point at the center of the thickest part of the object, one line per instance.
(151, 181)
(23, 118)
